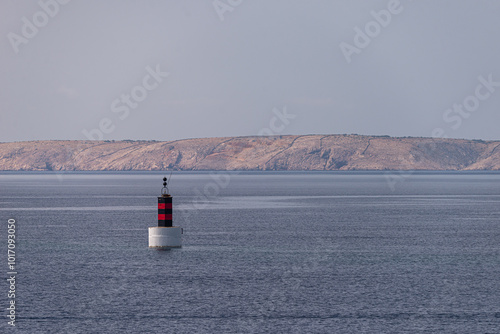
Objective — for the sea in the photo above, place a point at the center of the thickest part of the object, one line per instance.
(262, 252)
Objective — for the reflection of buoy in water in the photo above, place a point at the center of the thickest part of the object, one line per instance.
(165, 235)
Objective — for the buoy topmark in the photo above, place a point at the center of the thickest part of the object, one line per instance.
(165, 235)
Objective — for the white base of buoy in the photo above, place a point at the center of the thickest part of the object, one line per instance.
(165, 237)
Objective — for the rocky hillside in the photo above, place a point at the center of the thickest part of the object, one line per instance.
(313, 152)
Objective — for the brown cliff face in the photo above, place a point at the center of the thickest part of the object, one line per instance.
(312, 152)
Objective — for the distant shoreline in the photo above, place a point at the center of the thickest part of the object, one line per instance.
(253, 153)
(250, 172)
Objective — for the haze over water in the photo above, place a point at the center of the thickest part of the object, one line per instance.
(264, 253)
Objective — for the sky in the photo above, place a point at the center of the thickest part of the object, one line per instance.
(168, 70)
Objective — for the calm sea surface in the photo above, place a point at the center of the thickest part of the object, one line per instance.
(262, 253)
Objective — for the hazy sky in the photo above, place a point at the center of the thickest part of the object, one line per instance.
(417, 68)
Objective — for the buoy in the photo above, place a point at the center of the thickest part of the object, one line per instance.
(165, 235)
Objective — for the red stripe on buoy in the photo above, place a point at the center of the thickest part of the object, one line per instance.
(164, 217)
(162, 206)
